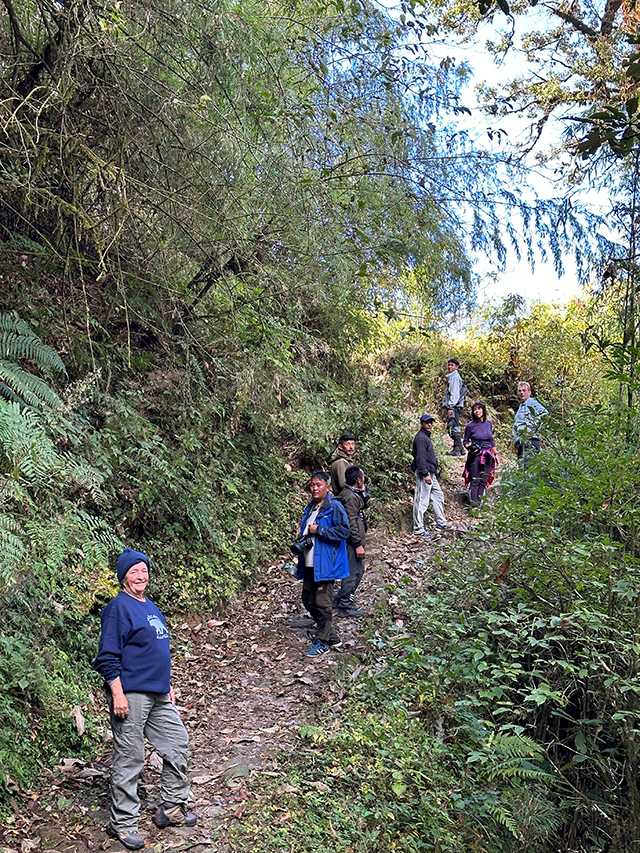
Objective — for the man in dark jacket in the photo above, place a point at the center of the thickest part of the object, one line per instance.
(326, 523)
(427, 489)
(341, 460)
(352, 499)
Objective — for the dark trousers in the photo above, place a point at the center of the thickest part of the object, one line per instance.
(317, 597)
(527, 449)
(346, 594)
(453, 426)
(478, 476)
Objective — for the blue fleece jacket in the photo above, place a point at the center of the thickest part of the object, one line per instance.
(134, 646)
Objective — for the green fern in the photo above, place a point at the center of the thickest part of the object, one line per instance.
(511, 757)
(502, 816)
(12, 549)
(199, 514)
(25, 447)
(18, 341)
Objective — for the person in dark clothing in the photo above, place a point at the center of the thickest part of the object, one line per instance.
(427, 488)
(482, 453)
(326, 522)
(135, 662)
(341, 460)
(351, 497)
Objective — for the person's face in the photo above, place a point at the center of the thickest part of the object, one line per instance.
(451, 366)
(428, 425)
(348, 447)
(478, 414)
(319, 489)
(136, 579)
(523, 393)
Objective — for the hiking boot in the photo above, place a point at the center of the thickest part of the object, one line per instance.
(173, 814)
(349, 612)
(317, 650)
(130, 840)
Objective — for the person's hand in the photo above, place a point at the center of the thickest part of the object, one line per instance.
(171, 695)
(313, 529)
(427, 479)
(120, 704)
(450, 412)
(360, 552)
(121, 707)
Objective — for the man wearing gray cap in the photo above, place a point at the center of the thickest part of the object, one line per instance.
(427, 489)
(135, 662)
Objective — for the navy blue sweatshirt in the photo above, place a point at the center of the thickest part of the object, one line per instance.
(424, 456)
(134, 646)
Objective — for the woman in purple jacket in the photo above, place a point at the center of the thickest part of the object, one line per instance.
(482, 455)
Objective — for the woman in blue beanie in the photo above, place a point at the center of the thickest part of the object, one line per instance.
(135, 661)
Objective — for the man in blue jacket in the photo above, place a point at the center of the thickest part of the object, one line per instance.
(325, 561)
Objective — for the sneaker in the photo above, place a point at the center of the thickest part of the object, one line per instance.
(317, 649)
(335, 643)
(425, 534)
(446, 526)
(130, 840)
(349, 612)
(173, 814)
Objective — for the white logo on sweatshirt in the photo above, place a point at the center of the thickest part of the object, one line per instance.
(161, 630)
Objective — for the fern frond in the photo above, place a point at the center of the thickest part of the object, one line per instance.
(516, 768)
(15, 346)
(13, 323)
(200, 516)
(502, 816)
(25, 386)
(25, 447)
(18, 340)
(83, 475)
(516, 746)
(12, 549)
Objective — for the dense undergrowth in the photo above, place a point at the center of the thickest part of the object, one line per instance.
(503, 714)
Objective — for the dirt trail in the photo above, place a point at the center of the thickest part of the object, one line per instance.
(244, 688)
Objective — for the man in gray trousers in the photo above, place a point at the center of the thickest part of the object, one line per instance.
(427, 488)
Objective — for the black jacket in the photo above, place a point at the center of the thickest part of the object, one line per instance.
(424, 456)
(353, 502)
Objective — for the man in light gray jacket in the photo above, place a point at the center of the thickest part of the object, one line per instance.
(453, 401)
(526, 424)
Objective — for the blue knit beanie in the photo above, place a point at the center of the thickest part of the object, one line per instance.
(129, 558)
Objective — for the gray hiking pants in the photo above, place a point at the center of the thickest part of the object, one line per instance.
(151, 716)
(425, 493)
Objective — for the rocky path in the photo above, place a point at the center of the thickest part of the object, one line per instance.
(244, 688)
